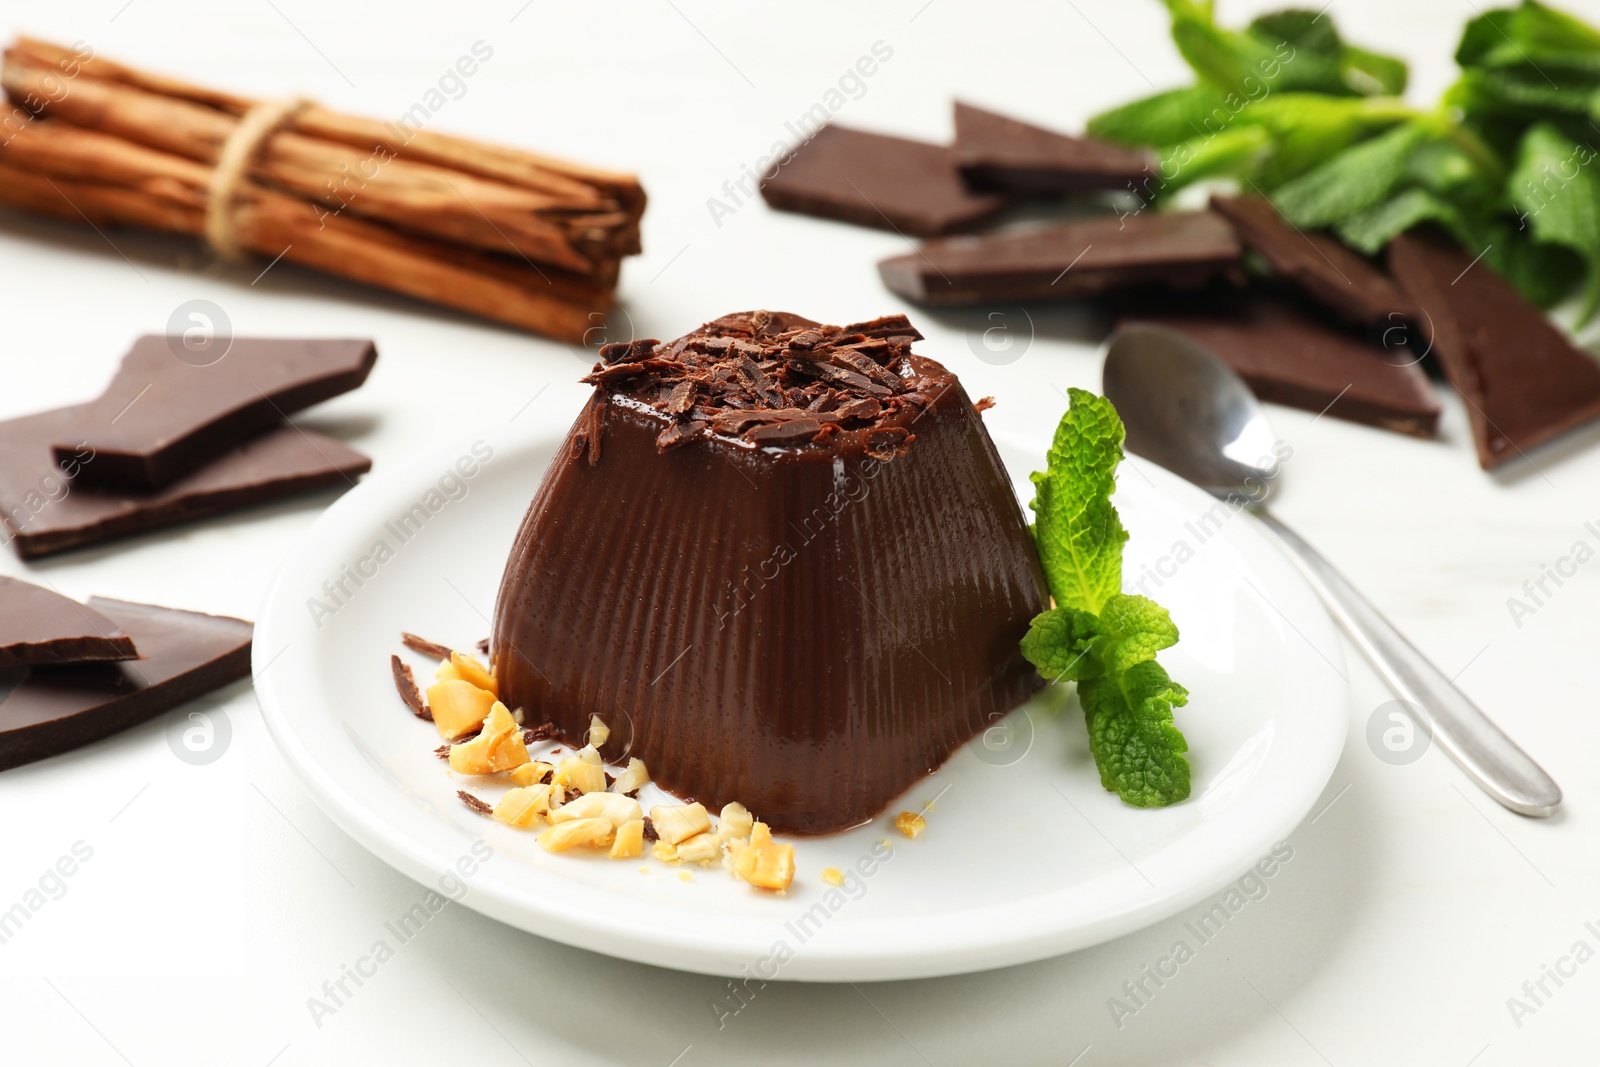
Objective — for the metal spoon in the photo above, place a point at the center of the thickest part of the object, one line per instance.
(1188, 411)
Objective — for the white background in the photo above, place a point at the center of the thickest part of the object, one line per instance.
(219, 898)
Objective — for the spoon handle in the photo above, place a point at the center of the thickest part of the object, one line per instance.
(1489, 757)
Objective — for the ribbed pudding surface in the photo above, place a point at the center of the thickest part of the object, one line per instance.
(782, 561)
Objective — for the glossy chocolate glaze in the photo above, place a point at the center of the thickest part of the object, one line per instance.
(806, 629)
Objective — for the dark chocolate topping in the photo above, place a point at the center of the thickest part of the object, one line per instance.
(768, 378)
(39, 626)
(186, 654)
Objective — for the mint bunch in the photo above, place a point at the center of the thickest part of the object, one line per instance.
(1504, 161)
(1096, 635)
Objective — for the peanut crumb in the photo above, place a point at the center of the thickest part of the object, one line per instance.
(910, 823)
(833, 876)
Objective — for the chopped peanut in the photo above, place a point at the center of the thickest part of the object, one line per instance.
(612, 807)
(764, 862)
(679, 822)
(470, 669)
(458, 707)
(664, 851)
(910, 823)
(630, 840)
(833, 876)
(581, 772)
(633, 777)
(521, 807)
(701, 848)
(594, 833)
(530, 773)
(736, 821)
(498, 747)
(599, 732)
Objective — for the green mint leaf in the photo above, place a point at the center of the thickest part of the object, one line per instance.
(1132, 630)
(1238, 152)
(1163, 119)
(1485, 34)
(1372, 73)
(1370, 230)
(1304, 28)
(1138, 751)
(1352, 181)
(1556, 190)
(1542, 29)
(1310, 128)
(1077, 530)
(1061, 643)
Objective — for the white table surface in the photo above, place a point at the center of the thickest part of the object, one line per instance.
(218, 898)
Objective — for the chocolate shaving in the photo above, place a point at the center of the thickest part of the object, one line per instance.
(483, 646)
(628, 351)
(650, 830)
(474, 803)
(786, 432)
(864, 408)
(406, 683)
(423, 645)
(984, 405)
(545, 731)
(615, 372)
(679, 433)
(443, 752)
(888, 327)
(680, 399)
(888, 442)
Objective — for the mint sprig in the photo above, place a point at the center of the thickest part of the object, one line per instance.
(1096, 635)
(1504, 161)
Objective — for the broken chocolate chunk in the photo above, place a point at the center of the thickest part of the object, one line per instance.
(1318, 265)
(1085, 257)
(479, 806)
(53, 709)
(1292, 354)
(872, 179)
(163, 417)
(999, 153)
(1522, 380)
(44, 515)
(40, 626)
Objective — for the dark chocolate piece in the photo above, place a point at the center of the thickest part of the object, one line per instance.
(1085, 257)
(1523, 381)
(162, 417)
(802, 626)
(999, 153)
(40, 626)
(872, 179)
(1289, 355)
(1318, 265)
(58, 708)
(482, 807)
(44, 513)
(406, 683)
(424, 646)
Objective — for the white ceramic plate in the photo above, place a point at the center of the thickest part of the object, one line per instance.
(1025, 856)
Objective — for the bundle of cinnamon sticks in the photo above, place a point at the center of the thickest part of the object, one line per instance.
(517, 237)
